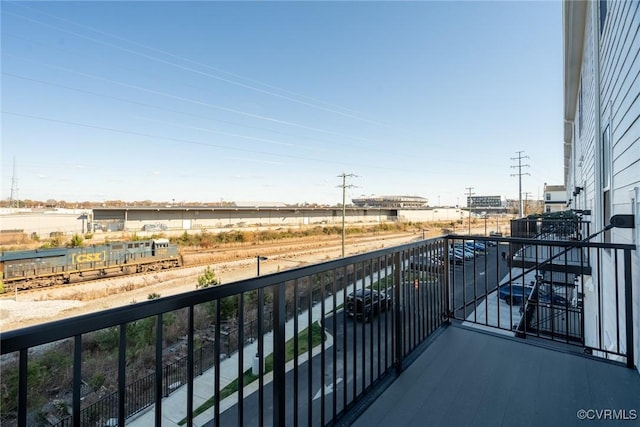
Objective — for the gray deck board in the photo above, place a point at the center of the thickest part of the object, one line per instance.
(469, 378)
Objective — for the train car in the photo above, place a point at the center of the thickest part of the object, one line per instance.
(46, 267)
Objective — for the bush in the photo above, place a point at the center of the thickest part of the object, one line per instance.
(76, 241)
(207, 279)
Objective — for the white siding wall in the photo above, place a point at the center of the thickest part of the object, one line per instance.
(584, 171)
(620, 92)
(620, 87)
(619, 108)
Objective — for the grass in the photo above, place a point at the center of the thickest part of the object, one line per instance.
(317, 336)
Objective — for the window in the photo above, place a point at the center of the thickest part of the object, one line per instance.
(580, 108)
(606, 214)
(547, 196)
(606, 158)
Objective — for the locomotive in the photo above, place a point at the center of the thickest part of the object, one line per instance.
(46, 267)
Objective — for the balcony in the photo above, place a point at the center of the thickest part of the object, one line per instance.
(484, 341)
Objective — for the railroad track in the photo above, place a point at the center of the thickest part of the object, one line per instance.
(241, 255)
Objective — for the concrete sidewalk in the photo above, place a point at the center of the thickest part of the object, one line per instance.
(174, 406)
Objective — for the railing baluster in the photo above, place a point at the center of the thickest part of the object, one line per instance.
(309, 353)
(296, 351)
(334, 347)
(628, 297)
(190, 363)
(397, 303)
(158, 371)
(322, 349)
(617, 286)
(279, 357)
(216, 355)
(122, 365)
(241, 343)
(260, 357)
(77, 379)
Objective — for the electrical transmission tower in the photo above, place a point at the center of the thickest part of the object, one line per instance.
(519, 175)
(14, 202)
(344, 188)
(469, 194)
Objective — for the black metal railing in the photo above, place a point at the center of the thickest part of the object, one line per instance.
(545, 228)
(568, 291)
(285, 349)
(314, 360)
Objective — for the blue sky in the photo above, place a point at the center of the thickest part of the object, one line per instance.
(271, 101)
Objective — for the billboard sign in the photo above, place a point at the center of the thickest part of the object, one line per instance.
(484, 201)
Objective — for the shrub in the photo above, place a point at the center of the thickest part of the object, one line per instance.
(96, 381)
(207, 279)
(76, 241)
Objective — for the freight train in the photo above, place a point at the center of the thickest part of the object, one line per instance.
(46, 267)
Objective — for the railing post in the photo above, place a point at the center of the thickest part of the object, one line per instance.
(628, 308)
(447, 280)
(397, 281)
(279, 360)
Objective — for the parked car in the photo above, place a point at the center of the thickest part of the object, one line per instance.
(456, 257)
(425, 263)
(465, 252)
(476, 246)
(513, 294)
(365, 303)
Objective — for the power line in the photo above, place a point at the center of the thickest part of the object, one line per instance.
(519, 175)
(190, 141)
(344, 211)
(315, 104)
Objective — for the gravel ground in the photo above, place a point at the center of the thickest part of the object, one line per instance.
(48, 305)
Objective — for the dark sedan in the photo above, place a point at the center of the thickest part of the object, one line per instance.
(513, 294)
(364, 303)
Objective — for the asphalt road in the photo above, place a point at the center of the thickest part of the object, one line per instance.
(333, 386)
(476, 278)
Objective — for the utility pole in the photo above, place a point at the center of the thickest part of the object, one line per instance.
(344, 206)
(469, 194)
(519, 175)
(526, 201)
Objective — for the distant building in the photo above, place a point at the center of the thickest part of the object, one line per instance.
(483, 205)
(555, 198)
(406, 202)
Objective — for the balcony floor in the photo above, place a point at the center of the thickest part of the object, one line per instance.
(468, 377)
